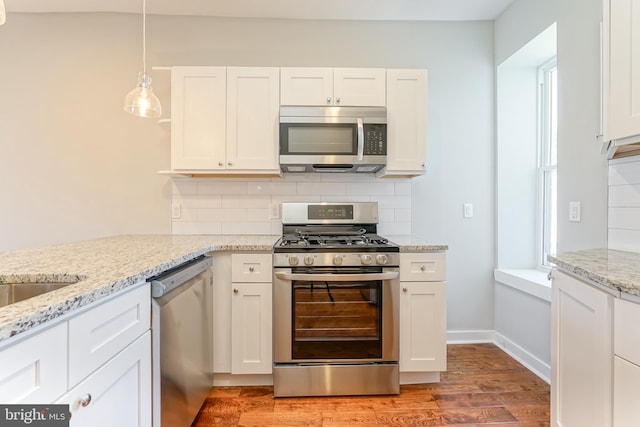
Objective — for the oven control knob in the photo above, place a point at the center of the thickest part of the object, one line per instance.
(382, 259)
(337, 260)
(293, 260)
(308, 260)
(366, 259)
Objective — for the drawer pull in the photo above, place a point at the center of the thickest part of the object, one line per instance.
(252, 268)
(423, 268)
(86, 400)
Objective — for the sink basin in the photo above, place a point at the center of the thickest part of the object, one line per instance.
(14, 292)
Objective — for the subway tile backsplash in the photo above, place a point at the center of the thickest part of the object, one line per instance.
(624, 204)
(252, 205)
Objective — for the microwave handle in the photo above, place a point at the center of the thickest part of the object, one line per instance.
(360, 138)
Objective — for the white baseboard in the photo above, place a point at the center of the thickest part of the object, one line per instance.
(470, 337)
(530, 361)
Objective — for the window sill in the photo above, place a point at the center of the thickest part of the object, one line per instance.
(532, 282)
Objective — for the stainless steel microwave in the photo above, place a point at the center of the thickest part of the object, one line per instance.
(333, 139)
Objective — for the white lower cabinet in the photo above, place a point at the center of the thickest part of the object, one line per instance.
(423, 313)
(626, 364)
(118, 393)
(97, 360)
(242, 318)
(251, 329)
(581, 354)
(35, 370)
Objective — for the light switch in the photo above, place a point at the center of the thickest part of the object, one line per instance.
(574, 211)
(468, 210)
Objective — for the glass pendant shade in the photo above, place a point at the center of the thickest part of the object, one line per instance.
(141, 101)
(3, 13)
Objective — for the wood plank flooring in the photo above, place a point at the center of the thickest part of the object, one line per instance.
(483, 386)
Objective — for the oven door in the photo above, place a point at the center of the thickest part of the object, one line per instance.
(335, 315)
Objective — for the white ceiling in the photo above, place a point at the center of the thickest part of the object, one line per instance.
(411, 10)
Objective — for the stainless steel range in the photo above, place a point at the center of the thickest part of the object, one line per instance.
(335, 302)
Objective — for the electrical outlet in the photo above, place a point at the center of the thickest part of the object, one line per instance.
(468, 210)
(176, 211)
(574, 211)
(275, 211)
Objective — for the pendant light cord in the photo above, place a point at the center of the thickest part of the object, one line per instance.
(144, 36)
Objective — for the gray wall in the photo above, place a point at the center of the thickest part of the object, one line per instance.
(582, 169)
(74, 166)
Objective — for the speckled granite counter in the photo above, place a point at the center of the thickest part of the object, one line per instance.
(101, 267)
(614, 269)
(104, 266)
(414, 244)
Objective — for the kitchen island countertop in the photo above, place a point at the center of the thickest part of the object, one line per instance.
(617, 270)
(100, 267)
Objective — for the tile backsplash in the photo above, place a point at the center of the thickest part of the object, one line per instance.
(252, 205)
(624, 204)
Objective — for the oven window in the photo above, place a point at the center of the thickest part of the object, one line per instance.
(337, 320)
(320, 139)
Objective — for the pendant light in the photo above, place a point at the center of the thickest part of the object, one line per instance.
(141, 101)
(3, 13)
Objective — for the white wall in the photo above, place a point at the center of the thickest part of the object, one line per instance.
(74, 166)
(624, 204)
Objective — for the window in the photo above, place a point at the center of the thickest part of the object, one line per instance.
(547, 160)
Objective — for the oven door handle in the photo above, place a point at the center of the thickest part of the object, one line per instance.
(332, 277)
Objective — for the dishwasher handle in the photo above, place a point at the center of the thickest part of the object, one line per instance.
(168, 281)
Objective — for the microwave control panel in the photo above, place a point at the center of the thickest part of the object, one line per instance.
(375, 140)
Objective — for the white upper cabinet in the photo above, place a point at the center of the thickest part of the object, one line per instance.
(253, 106)
(406, 122)
(225, 120)
(621, 75)
(356, 87)
(198, 117)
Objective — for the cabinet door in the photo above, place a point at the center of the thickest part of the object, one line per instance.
(306, 86)
(253, 108)
(359, 87)
(406, 122)
(251, 328)
(198, 117)
(626, 393)
(117, 394)
(624, 45)
(581, 354)
(423, 325)
(35, 369)
(98, 334)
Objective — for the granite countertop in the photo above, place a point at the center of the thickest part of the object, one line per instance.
(101, 267)
(617, 270)
(409, 243)
(97, 268)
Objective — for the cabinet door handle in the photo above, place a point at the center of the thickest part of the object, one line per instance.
(328, 100)
(405, 289)
(86, 400)
(337, 100)
(220, 163)
(236, 290)
(229, 163)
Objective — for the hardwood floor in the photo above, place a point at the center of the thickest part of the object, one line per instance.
(483, 386)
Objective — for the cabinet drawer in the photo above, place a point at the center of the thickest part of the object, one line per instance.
(249, 268)
(100, 333)
(35, 370)
(423, 267)
(626, 335)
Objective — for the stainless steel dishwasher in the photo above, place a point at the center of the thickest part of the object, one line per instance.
(182, 342)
